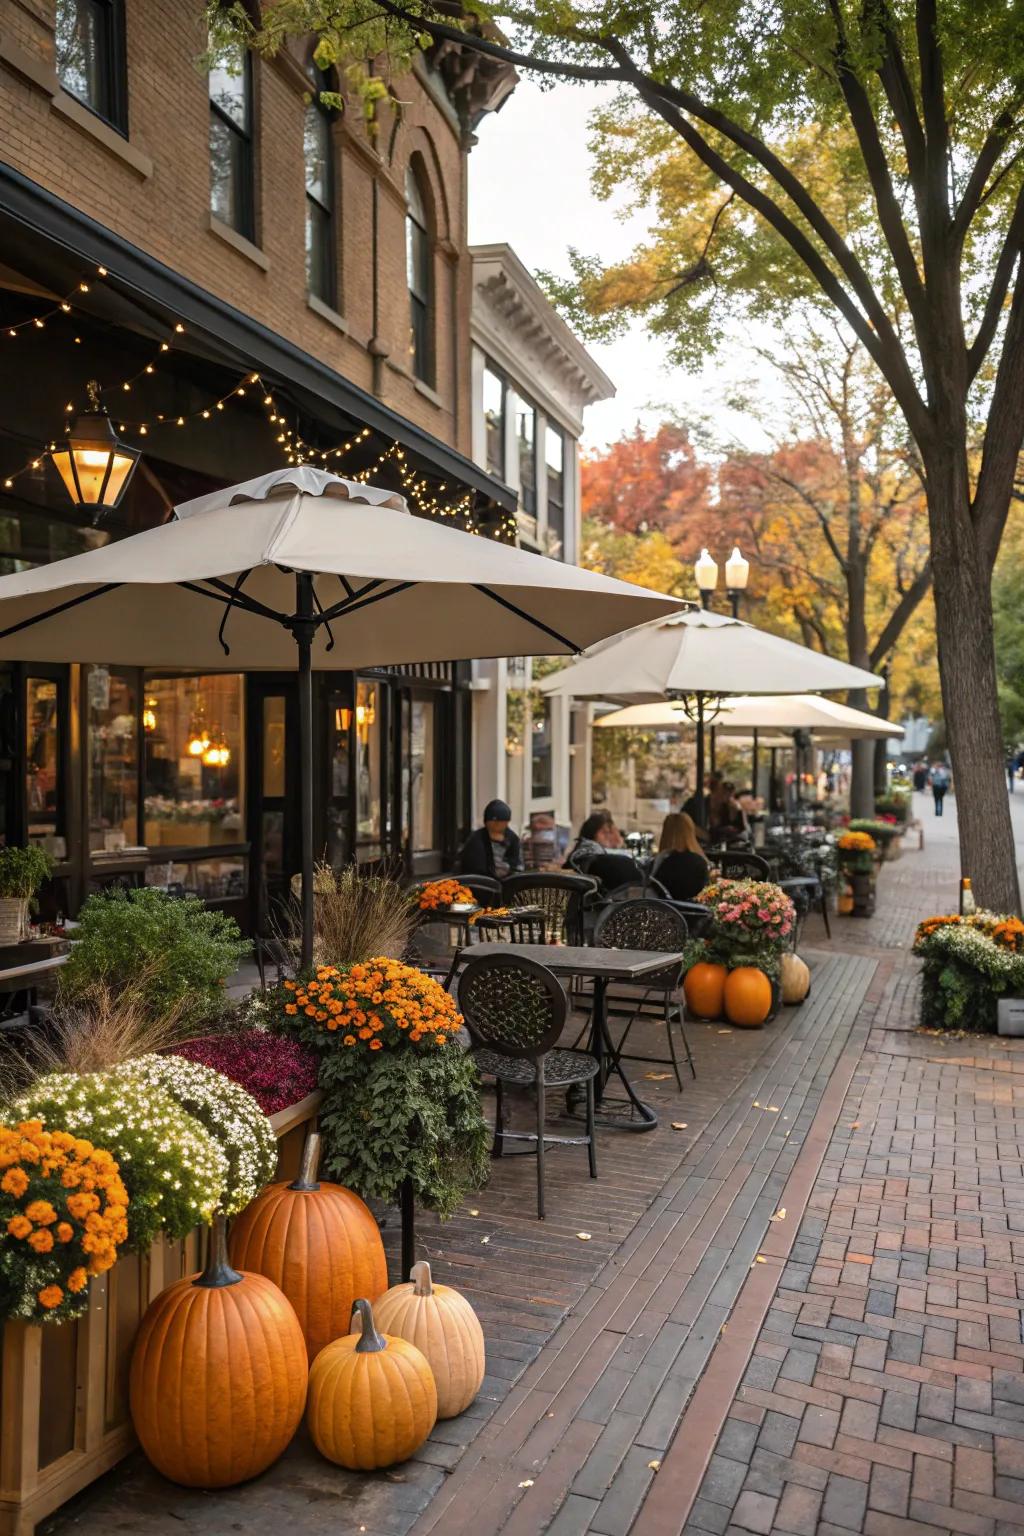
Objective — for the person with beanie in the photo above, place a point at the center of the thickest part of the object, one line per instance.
(493, 849)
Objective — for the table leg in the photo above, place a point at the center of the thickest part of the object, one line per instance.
(641, 1116)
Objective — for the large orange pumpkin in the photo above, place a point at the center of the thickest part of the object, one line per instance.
(444, 1328)
(218, 1377)
(372, 1398)
(704, 988)
(319, 1243)
(748, 996)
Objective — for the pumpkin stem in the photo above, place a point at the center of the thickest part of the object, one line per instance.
(218, 1271)
(420, 1277)
(371, 1342)
(310, 1164)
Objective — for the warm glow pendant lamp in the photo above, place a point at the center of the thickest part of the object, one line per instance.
(95, 465)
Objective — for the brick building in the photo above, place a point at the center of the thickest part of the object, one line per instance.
(249, 276)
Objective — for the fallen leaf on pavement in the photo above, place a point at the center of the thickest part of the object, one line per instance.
(474, 1213)
(773, 1109)
(584, 1237)
(655, 1466)
(780, 1214)
(485, 1239)
(527, 1482)
(760, 1259)
(657, 1077)
(679, 1125)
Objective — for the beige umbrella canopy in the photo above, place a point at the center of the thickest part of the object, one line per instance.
(824, 718)
(300, 569)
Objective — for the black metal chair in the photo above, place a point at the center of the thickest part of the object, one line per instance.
(561, 897)
(743, 866)
(515, 1010)
(652, 925)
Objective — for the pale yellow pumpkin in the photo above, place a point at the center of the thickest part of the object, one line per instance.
(794, 978)
(443, 1326)
(372, 1399)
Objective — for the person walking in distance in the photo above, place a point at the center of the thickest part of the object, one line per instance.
(939, 780)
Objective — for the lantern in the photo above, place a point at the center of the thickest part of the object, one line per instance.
(95, 465)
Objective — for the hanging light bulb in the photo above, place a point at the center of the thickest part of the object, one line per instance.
(95, 465)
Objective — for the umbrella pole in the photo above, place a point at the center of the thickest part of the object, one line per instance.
(701, 819)
(753, 767)
(304, 629)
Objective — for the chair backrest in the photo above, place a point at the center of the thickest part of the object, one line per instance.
(642, 924)
(512, 1005)
(743, 866)
(560, 897)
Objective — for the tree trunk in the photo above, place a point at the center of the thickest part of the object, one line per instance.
(967, 669)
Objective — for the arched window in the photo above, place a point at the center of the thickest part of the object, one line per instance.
(317, 150)
(419, 263)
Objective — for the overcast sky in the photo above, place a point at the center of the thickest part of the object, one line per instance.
(530, 186)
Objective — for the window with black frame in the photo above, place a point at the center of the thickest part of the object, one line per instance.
(231, 138)
(554, 461)
(495, 401)
(419, 259)
(317, 150)
(526, 438)
(88, 38)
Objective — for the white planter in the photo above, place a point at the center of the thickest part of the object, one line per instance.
(13, 919)
(1010, 1016)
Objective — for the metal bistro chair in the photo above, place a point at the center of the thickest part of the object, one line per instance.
(515, 1012)
(743, 866)
(652, 925)
(561, 897)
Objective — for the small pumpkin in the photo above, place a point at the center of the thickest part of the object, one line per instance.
(218, 1376)
(748, 997)
(444, 1328)
(704, 989)
(795, 978)
(372, 1398)
(319, 1243)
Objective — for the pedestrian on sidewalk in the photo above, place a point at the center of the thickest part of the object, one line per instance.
(1011, 771)
(939, 780)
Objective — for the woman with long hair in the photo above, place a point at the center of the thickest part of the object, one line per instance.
(680, 865)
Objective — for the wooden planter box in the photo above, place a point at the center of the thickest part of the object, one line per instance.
(64, 1417)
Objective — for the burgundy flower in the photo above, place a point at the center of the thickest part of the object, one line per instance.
(275, 1070)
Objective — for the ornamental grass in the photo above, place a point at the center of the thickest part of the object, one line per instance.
(64, 1213)
(355, 916)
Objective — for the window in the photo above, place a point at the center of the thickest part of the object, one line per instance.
(369, 751)
(540, 750)
(44, 761)
(112, 702)
(193, 733)
(89, 55)
(554, 459)
(526, 438)
(419, 260)
(495, 392)
(320, 265)
(419, 775)
(231, 158)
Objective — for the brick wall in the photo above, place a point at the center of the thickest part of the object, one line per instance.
(154, 190)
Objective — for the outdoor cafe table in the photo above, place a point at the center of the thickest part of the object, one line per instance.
(603, 966)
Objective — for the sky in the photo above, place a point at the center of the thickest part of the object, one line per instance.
(530, 186)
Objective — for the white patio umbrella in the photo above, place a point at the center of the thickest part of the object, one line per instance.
(698, 656)
(300, 569)
(824, 718)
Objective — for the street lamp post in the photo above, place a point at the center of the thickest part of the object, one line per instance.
(737, 574)
(706, 572)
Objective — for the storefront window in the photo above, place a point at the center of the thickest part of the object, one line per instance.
(540, 742)
(44, 750)
(193, 731)
(339, 729)
(212, 879)
(422, 790)
(112, 712)
(368, 763)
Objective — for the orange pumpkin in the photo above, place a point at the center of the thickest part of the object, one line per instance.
(218, 1376)
(319, 1243)
(704, 988)
(444, 1328)
(748, 996)
(372, 1398)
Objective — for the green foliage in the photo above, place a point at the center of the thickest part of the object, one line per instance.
(185, 950)
(893, 804)
(965, 973)
(1008, 618)
(402, 1114)
(883, 832)
(23, 870)
(173, 1169)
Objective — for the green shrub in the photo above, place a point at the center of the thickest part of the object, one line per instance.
(883, 832)
(894, 804)
(22, 871)
(966, 971)
(185, 949)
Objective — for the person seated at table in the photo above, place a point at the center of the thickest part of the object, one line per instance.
(599, 851)
(493, 849)
(691, 806)
(680, 865)
(726, 821)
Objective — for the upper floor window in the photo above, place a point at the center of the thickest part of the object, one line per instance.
(89, 55)
(419, 262)
(495, 397)
(317, 149)
(554, 460)
(526, 437)
(231, 152)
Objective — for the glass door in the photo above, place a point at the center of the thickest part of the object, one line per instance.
(420, 780)
(274, 800)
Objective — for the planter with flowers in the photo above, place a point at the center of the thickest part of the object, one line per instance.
(400, 1095)
(886, 832)
(970, 963)
(858, 873)
(736, 965)
(22, 872)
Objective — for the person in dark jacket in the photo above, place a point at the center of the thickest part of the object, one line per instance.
(600, 851)
(680, 865)
(493, 849)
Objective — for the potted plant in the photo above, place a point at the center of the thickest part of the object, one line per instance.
(22, 872)
(858, 860)
(752, 922)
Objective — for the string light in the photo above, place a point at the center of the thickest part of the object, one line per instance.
(61, 307)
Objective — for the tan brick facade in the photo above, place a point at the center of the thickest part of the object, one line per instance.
(153, 189)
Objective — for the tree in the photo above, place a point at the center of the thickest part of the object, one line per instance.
(649, 559)
(1009, 633)
(750, 110)
(643, 483)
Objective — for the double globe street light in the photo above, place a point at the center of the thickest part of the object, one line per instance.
(737, 573)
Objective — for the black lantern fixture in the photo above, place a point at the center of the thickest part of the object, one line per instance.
(94, 464)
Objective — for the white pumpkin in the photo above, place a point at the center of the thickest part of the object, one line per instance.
(443, 1326)
(795, 979)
